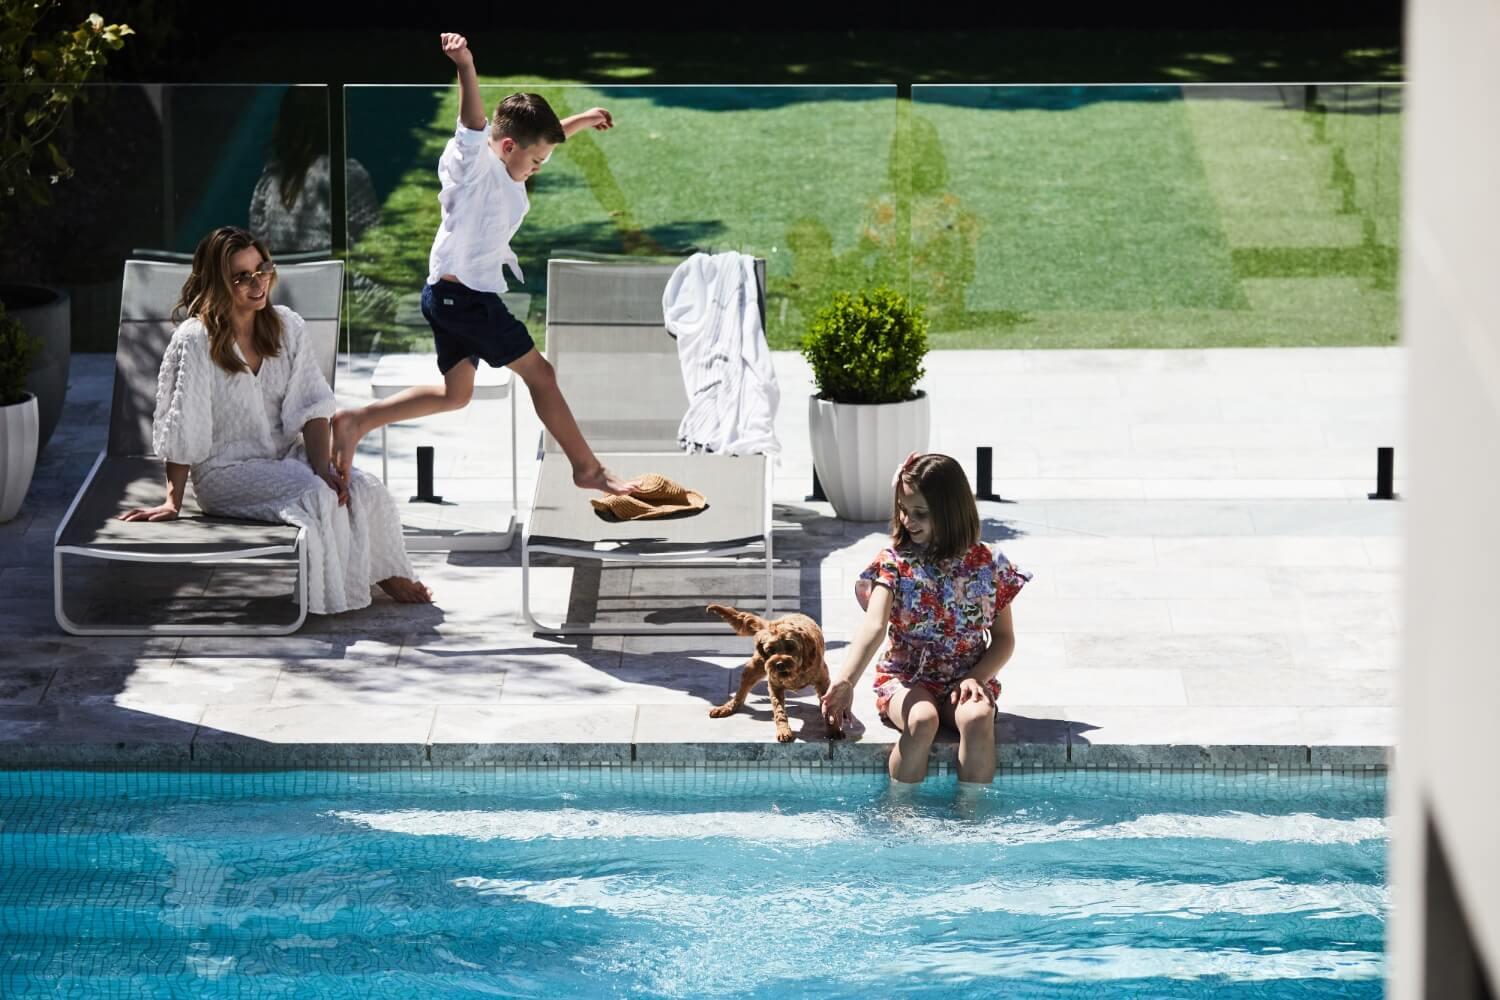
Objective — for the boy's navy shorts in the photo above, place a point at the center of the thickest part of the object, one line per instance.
(473, 326)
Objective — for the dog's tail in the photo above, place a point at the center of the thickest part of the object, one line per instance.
(743, 622)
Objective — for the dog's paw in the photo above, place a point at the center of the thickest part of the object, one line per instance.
(719, 711)
(834, 733)
(784, 735)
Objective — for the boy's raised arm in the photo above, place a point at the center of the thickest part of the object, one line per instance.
(595, 118)
(470, 105)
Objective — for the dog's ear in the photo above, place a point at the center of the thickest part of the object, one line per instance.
(811, 647)
(743, 622)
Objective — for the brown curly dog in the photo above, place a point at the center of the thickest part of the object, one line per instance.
(788, 655)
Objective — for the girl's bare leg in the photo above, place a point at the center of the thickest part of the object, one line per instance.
(914, 710)
(975, 722)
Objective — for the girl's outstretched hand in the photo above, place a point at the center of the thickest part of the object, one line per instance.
(970, 690)
(836, 702)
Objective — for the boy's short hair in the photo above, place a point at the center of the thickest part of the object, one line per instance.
(528, 119)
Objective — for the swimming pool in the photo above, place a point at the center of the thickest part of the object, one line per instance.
(631, 882)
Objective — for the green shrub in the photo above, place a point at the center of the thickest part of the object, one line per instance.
(17, 349)
(867, 348)
(41, 73)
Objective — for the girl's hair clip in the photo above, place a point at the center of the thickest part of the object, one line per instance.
(905, 467)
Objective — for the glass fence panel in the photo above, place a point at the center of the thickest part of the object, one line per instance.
(157, 167)
(1059, 216)
(802, 176)
(1156, 216)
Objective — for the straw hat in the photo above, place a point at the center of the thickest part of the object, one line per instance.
(655, 496)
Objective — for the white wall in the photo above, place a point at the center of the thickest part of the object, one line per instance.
(1449, 732)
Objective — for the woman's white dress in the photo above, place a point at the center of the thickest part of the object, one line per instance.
(241, 435)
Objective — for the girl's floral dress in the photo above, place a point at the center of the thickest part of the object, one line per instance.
(940, 617)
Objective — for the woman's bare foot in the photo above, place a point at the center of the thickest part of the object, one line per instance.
(603, 480)
(406, 591)
(346, 434)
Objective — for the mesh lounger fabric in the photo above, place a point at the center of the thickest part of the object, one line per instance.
(124, 483)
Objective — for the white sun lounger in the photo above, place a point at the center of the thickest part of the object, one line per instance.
(127, 474)
(617, 367)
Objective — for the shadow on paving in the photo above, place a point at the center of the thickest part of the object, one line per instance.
(677, 593)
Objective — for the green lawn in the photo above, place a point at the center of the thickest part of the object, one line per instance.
(1037, 217)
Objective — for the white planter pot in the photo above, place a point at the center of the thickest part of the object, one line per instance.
(857, 447)
(19, 428)
(45, 313)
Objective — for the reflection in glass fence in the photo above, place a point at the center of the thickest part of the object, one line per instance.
(1155, 216)
(159, 166)
(1050, 216)
(802, 176)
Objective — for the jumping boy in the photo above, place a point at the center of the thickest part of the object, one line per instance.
(483, 199)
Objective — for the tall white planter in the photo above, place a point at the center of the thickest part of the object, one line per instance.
(19, 429)
(857, 447)
(45, 313)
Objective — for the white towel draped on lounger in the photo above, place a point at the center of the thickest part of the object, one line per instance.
(711, 306)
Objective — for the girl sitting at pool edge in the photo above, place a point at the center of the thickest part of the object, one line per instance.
(945, 597)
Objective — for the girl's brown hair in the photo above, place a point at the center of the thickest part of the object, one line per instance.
(208, 296)
(955, 516)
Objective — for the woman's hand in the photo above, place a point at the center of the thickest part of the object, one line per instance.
(970, 689)
(836, 702)
(165, 512)
(336, 482)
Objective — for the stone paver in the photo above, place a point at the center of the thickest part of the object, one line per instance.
(1212, 589)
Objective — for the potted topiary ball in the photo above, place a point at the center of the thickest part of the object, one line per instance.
(19, 422)
(866, 353)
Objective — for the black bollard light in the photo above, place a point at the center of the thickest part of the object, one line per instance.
(983, 474)
(1385, 474)
(424, 476)
(817, 493)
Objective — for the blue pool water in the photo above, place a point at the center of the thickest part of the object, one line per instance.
(626, 882)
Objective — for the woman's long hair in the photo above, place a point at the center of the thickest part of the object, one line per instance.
(208, 296)
(299, 138)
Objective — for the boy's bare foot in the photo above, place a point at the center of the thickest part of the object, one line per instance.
(346, 435)
(406, 591)
(603, 480)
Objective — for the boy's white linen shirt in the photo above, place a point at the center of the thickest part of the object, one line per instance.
(482, 209)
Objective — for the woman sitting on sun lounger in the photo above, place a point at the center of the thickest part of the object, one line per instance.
(242, 404)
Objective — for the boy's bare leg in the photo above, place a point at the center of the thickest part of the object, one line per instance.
(588, 472)
(349, 426)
